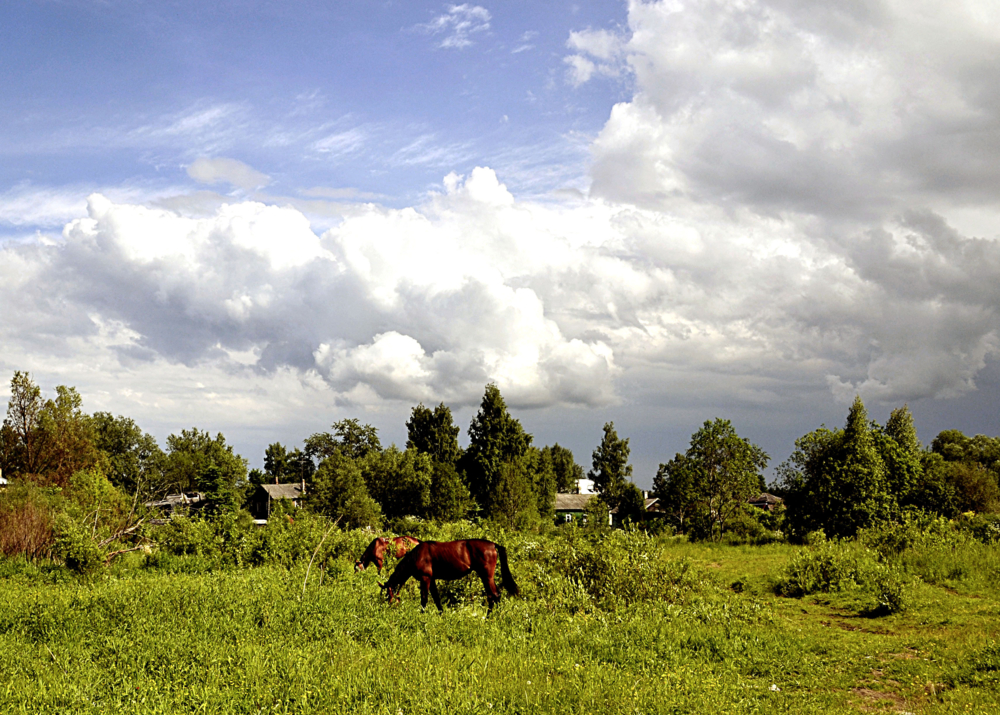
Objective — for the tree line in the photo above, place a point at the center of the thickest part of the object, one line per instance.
(837, 480)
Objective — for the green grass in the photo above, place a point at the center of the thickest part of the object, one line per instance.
(217, 640)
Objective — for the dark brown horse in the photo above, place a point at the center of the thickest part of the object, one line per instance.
(448, 560)
(377, 549)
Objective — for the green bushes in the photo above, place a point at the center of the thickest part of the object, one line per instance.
(76, 546)
(872, 586)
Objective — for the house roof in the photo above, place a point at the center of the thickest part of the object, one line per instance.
(572, 502)
(283, 491)
(765, 498)
(173, 500)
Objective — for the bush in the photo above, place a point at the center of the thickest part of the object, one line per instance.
(26, 516)
(982, 527)
(75, 546)
(754, 526)
(183, 535)
(874, 586)
(628, 567)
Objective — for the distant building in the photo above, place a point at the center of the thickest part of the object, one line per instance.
(266, 495)
(171, 502)
(572, 506)
(585, 486)
(765, 501)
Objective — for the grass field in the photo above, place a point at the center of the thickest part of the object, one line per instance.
(629, 624)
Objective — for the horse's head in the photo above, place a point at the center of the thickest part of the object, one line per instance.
(359, 566)
(390, 591)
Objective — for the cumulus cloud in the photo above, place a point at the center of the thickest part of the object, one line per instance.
(783, 206)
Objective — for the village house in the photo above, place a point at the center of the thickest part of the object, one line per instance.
(265, 496)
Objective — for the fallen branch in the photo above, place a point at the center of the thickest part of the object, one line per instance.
(119, 534)
(113, 554)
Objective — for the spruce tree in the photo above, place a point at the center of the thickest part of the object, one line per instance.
(611, 470)
(497, 446)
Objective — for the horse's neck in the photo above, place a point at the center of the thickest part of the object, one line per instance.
(399, 576)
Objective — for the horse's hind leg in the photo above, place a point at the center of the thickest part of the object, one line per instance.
(492, 592)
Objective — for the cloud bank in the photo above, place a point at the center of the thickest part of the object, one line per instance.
(798, 198)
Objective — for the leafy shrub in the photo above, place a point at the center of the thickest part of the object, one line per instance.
(982, 527)
(76, 547)
(628, 567)
(751, 525)
(185, 535)
(844, 567)
(915, 530)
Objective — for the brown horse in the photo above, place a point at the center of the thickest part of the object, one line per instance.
(449, 560)
(377, 549)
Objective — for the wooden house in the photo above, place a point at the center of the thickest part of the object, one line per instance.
(266, 495)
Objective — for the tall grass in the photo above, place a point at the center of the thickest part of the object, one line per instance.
(618, 623)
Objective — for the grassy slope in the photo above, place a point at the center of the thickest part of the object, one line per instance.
(244, 642)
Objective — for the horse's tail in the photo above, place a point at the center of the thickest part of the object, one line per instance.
(508, 577)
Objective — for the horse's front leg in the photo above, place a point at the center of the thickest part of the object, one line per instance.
(426, 585)
(437, 597)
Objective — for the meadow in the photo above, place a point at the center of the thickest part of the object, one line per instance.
(614, 622)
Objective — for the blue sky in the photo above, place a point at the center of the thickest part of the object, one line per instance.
(376, 97)
(258, 218)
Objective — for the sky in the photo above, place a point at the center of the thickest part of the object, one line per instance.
(258, 218)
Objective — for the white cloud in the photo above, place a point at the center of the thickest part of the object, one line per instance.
(783, 207)
(220, 169)
(597, 52)
(344, 142)
(458, 24)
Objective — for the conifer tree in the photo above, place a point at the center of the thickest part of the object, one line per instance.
(611, 470)
(497, 446)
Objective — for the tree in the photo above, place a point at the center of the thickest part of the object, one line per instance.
(568, 473)
(611, 470)
(497, 445)
(189, 456)
(676, 488)
(975, 487)
(349, 436)
(450, 499)
(46, 440)
(954, 446)
(24, 438)
(434, 433)
(276, 460)
(901, 453)
(69, 446)
(399, 481)
(704, 488)
(727, 469)
(339, 491)
(837, 480)
(134, 459)
(542, 469)
(221, 493)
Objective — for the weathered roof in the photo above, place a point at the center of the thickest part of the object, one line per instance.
(572, 502)
(765, 498)
(173, 500)
(283, 491)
